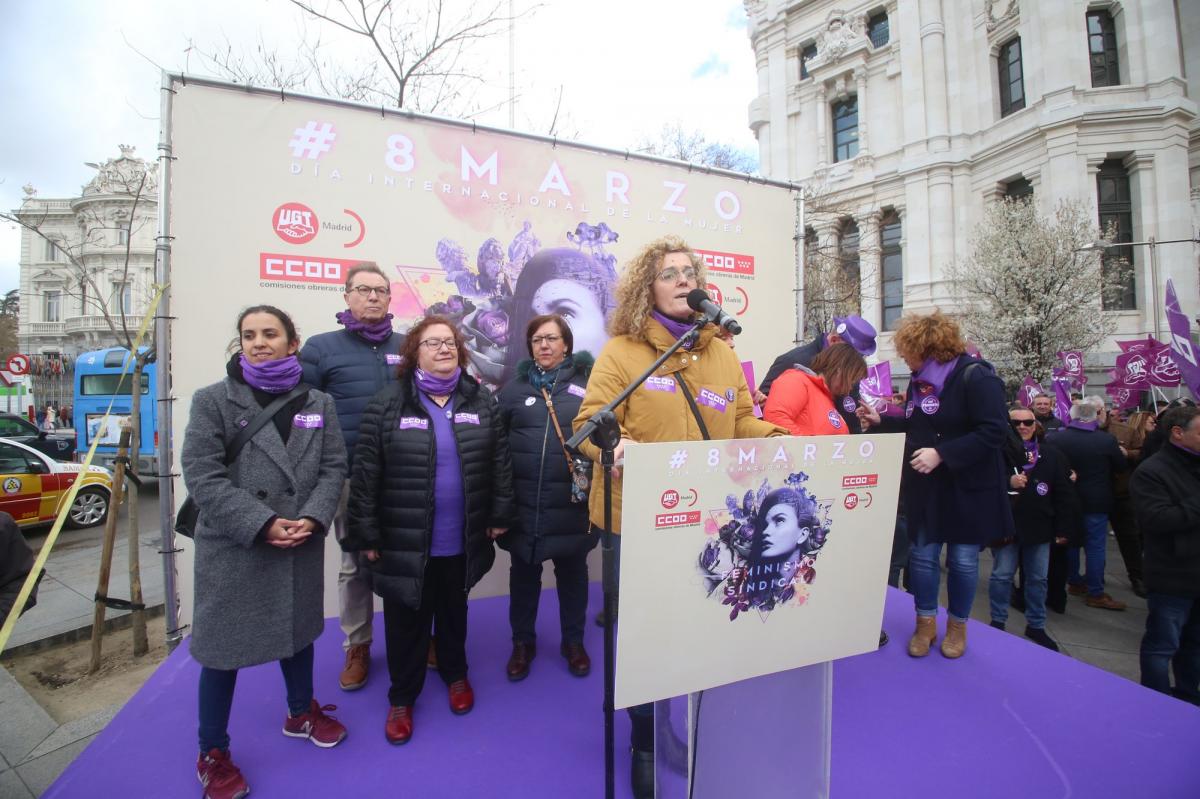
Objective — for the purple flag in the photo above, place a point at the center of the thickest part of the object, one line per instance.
(1137, 344)
(1062, 395)
(1072, 361)
(1122, 396)
(1133, 369)
(1163, 369)
(876, 389)
(1182, 350)
(1030, 388)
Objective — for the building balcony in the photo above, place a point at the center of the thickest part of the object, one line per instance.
(98, 324)
(46, 329)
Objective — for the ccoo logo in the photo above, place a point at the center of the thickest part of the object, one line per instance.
(295, 223)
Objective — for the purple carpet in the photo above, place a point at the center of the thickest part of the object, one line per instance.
(1009, 719)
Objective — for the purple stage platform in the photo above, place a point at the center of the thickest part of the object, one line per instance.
(1008, 720)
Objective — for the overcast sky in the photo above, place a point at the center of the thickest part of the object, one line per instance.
(73, 84)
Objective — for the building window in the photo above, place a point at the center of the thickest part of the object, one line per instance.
(1116, 215)
(83, 298)
(851, 271)
(122, 298)
(1019, 189)
(892, 268)
(877, 29)
(845, 129)
(53, 307)
(1012, 78)
(807, 53)
(122, 235)
(52, 251)
(1102, 49)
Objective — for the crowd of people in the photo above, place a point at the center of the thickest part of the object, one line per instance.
(420, 470)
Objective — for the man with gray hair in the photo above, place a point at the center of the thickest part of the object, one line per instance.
(1095, 456)
(351, 365)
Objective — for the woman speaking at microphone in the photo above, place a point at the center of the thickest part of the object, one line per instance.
(699, 393)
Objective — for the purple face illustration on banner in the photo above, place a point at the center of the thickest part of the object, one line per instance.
(1163, 369)
(764, 556)
(1030, 388)
(1134, 369)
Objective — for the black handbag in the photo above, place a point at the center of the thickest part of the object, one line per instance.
(189, 512)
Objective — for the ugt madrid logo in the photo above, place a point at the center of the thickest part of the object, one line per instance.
(295, 223)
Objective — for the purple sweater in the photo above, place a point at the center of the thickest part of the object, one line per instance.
(449, 501)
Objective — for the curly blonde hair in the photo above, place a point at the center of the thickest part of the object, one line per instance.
(926, 336)
(635, 299)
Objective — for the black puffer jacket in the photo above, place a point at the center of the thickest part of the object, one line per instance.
(548, 525)
(392, 484)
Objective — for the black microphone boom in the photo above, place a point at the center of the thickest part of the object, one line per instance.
(698, 300)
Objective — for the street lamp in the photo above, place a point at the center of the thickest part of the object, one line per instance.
(1152, 243)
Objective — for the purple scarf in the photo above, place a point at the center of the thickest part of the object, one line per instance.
(1186, 449)
(1031, 454)
(437, 386)
(934, 374)
(1089, 426)
(273, 377)
(375, 332)
(675, 327)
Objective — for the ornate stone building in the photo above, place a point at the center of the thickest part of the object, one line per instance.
(909, 115)
(75, 277)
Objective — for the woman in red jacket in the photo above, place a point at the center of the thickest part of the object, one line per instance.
(802, 399)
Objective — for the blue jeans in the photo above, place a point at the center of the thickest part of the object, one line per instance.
(1172, 638)
(1095, 527)
(216, 696)
(925, 576)
(1036, 559)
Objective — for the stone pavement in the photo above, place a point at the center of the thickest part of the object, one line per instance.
(34, 749)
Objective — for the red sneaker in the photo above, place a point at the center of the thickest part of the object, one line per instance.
(220, 778)
(324, 731)
(399, 726)
(462, 698)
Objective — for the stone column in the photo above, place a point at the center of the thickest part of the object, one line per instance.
(1144, 196)
(870, 264)
(941, 226)
(822, 128)
(933, 54)
(860, 78)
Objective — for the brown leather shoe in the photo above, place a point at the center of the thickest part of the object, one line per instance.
(1105, 602)
(923, 637)
(518, 664)
(578, 662)
(358, 666)
(954, 643)
(462, 698)
(399, 726)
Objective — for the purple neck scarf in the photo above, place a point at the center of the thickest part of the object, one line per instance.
(934, 374)
(675, 327)
(1092, 426)
(273, 377)
(1031, 454)
(437, 386)
(1186, 449)
(374, 332)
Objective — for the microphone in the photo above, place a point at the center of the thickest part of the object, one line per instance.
(698, 300)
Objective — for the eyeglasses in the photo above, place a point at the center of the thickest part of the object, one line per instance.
(435, 344)
(1023, 422)
(367, 291)
(671, 275)
(538, 341)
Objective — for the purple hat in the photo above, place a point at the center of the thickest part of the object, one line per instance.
(857, 332)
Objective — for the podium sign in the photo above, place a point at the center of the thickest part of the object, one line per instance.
(749, 557)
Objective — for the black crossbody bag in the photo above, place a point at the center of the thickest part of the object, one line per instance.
(189, 514)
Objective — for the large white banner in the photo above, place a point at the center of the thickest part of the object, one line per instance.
(745, 558)
(273, 199)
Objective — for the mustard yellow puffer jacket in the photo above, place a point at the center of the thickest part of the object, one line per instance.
(658, 410)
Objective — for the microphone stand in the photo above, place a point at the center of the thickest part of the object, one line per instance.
(605, 433)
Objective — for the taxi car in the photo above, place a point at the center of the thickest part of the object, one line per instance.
(34, 485)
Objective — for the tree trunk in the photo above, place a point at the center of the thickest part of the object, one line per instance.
(106, 552)
(140, 644)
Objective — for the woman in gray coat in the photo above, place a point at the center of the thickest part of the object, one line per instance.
(259, 559)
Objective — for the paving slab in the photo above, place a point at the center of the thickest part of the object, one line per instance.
(25, 723)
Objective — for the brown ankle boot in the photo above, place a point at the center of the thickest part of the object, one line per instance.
(923, 638)
(955, 642)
